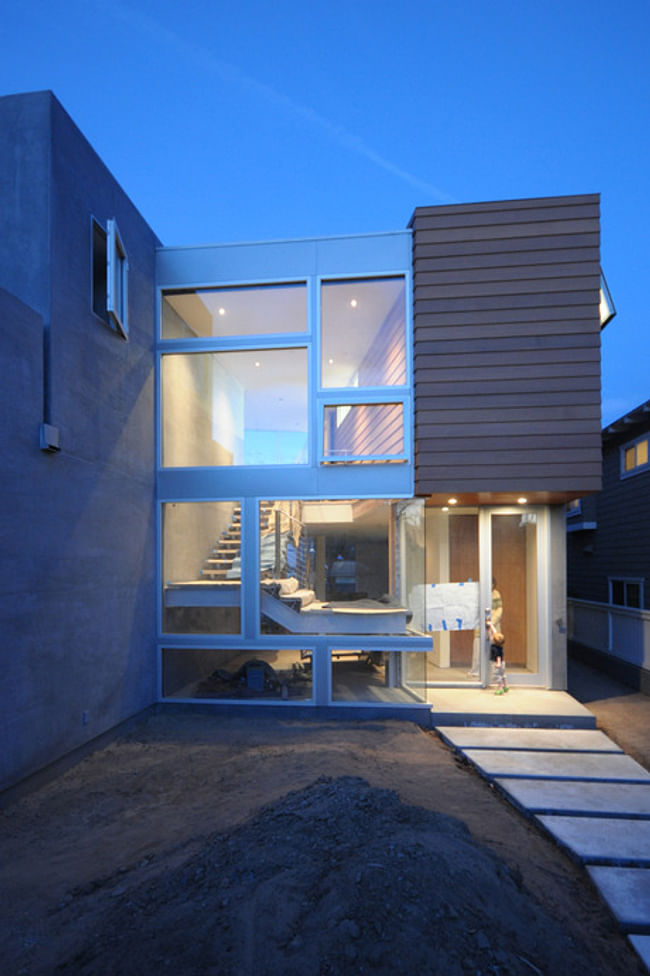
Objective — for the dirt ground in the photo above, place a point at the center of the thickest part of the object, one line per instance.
(198, 843)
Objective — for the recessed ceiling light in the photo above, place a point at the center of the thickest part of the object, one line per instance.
(353, 303)
(522, 501)
(330, 362)
(257, 362)
(453, 501)
(221, 310)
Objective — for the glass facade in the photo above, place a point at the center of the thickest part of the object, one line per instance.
(296, 567)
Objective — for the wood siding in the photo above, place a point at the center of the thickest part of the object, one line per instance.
(619, 546)
(507, 348)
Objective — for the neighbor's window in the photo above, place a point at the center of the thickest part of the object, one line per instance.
(204, 313)
(235, 408)
(363, 325)
(626, 592)
(635, 456)
(110, 268)
(573, 507)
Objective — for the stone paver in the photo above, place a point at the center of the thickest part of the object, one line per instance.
(586, 792)
(558, 765)
(579, 798)
(572, 740)
(641, 944)
(602, 839)
(627, 892)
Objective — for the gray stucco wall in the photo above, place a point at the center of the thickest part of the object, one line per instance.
(77, 599)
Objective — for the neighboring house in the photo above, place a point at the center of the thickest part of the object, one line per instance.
(280, 473)
(609, 556)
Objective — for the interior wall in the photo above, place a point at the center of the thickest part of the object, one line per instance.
(190, 530)
(188, 391)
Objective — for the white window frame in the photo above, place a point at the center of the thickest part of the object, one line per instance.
(117, 274)
(625, 580)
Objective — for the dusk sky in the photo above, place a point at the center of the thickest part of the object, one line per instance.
(251, 120)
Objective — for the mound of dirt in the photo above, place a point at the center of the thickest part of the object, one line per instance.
(336, 878)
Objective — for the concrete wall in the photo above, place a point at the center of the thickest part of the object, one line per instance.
(77, 599)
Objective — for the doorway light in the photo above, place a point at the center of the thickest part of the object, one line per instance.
(522, 501)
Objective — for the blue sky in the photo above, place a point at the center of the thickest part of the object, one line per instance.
(253, 120)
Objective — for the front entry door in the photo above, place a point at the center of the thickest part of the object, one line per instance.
(477, 559)
(515, 575)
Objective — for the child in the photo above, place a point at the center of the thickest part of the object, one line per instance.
(497, 657)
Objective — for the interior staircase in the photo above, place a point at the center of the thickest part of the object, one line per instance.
(226, 552)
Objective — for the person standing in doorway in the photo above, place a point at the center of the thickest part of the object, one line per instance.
(497, 641)
(494, 619)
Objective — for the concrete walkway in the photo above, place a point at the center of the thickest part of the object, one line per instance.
(579, 786)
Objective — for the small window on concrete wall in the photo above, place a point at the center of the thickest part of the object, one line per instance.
(117, 268)
(110, 277)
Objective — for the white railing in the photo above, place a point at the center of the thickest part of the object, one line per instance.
(620, 631)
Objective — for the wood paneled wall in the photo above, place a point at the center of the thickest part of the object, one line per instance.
(507, 347)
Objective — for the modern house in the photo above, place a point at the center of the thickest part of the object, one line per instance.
(292, 473)
(608, 552)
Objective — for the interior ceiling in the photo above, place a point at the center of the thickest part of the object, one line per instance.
(243, 311)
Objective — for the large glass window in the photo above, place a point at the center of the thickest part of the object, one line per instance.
(363, 333)
(235, 408)
(201, 567)
(237, 674)
(380, 677)
(251, 310)
(342, 567)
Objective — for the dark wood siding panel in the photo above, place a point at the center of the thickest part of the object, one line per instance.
(514, 273)
(507, 346)
(472, 285)
(492, 206)
(507, 216)
(515, 244)
(501, 262)
(505, 343)
(501, 231)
